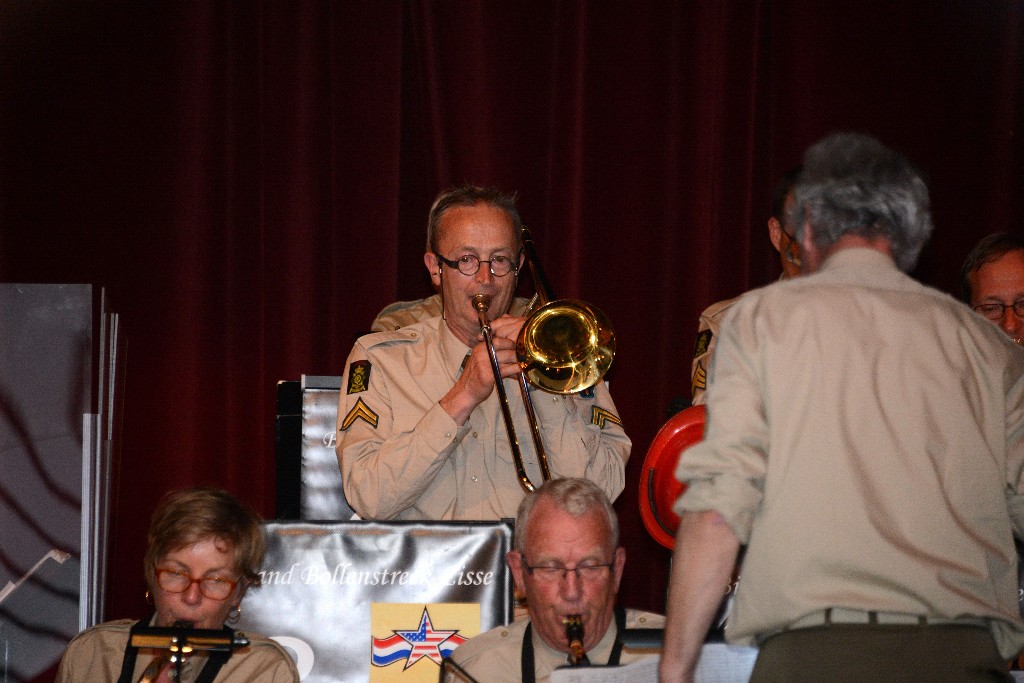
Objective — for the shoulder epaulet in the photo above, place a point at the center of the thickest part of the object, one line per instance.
(717, 310)
(122, 625)
(116, 623)
(403, 335)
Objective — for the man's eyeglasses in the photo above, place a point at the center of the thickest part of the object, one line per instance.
(174, 581)
(469, 264)
(995, 310)
(586, 573)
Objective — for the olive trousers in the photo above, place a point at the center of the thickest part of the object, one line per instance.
(870, 653)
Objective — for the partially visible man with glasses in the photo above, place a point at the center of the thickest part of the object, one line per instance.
(992, 282)
(567, 562)
(420, 431)
(205, 549)
(785, 244)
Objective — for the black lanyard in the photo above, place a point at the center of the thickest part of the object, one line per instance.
(526, 660)
(213, 663)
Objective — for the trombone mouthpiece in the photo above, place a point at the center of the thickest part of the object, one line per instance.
(481, 302)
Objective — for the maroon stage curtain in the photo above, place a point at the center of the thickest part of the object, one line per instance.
(250, 181)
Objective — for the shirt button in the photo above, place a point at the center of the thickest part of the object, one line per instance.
(475, 479)
(475, 435)
(412, 334)
(448, 435)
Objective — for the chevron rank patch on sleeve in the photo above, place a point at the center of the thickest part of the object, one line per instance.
(700, 378)
(360, 411)
(601, 417)
(359, 376)
(703, 342)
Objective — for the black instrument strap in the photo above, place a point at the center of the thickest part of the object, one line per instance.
(526, 658)
(130, 654)
(215, 661)
(526, 661)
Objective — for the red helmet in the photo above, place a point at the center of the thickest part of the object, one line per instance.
(659, 488)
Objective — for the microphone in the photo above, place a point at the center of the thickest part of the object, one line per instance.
(58, 556)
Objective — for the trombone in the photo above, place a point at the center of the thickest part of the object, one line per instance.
(565, 346)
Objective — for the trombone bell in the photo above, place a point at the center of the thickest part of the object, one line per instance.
(566, 346)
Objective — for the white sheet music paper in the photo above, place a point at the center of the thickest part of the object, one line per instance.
(641, 671)
(719, 663)
(722, 663)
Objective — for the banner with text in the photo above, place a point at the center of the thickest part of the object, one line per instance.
(379, 601)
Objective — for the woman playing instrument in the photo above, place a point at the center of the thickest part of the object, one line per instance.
(205, 549)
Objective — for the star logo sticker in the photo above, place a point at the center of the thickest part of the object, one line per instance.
(425, 642)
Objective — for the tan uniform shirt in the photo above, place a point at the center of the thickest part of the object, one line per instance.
(707, 334)
(495, 656)
(96, 655)
(865, 438)
(403, 457)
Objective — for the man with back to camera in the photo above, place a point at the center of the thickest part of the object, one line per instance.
(781, 237)
(865, 441)
(421, 434)
(992, 282)
(567, 561)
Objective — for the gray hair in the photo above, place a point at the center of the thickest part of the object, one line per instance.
(578, 497)
(852, 184)
(470, 195)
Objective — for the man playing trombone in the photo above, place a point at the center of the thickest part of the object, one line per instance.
(420, 428)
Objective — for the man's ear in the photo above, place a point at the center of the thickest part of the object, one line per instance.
(619, 565)
(515, 563)
(433, 265)
(775, 233)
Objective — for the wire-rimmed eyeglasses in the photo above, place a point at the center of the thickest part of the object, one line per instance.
(469, 264)
(176, 581)
(994, 310)
(550, 574)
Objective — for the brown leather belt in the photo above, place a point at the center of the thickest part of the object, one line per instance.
(844, 615)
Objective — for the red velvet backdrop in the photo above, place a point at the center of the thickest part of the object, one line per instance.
(250, 181)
